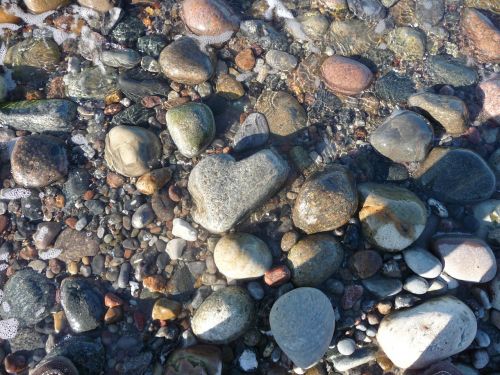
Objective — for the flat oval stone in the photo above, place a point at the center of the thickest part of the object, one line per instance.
(326, 201)
(41, 6)
(404, 136)
(209, 17)
(392, 218)
(285, 116)
(419, 336)
(345, 76)
(225, 190)
(302, 323)
(82, 303)
(280, 60)
(39, 115)
(40, 53)
(466, 258)
(38, 160)
(456, 176)
(76, 245)
(242, 256)
(253, 132)
(27, 297)
(445, 70)
(314, 259)
(182, 61)
(121, 58)
(224, 316)
(131, 150)
(422, 262)
(192, 127)
(449, 111)
(383, 287)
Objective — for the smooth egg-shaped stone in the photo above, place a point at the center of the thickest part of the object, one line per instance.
(242, 256)
(436, 329)
(302, 323)
(224, 316)
(345, 76)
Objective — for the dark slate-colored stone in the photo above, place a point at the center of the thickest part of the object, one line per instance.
(394, 87)
(448, 71)
(82, 303)
(86, 354)
(128, 31)
(151, 44)
(136, 84)
(134, 115)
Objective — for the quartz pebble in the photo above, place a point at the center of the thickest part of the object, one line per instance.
(175, 248)
(184, 230)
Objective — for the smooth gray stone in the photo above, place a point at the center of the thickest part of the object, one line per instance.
(125, 58)
(224, 316)
(38, 116)
(302, 323)
(356, 359)
(383, 287)
(224, 190)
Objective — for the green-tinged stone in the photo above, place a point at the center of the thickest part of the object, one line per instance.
(351, 37)
(40, 53)
(448, 71)
(39, 115)
(192, 127)
(407, 43)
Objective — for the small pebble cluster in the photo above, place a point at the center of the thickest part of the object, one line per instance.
(208, 187)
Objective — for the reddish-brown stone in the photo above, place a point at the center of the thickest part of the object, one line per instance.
(114, 180)
(345, 76)
(277, 276)
(245, 59)
(489, 94)
(15, 363)
(4, 223)
(481, 36)
(112, 300)
(209, 17)
(366, 263)
(352, 294)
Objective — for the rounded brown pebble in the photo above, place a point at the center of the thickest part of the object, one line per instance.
(155, 283)
(345, 76)
(245, 59)
(209, 17)
(174, 193)
(366, 263)
(4, 223)
(112, 300)
(352, 294)
(288, 240)
(15, 363)
(114, 180)
(277, 276)
(481, 36)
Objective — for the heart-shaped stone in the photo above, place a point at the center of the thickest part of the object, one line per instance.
(225, 190)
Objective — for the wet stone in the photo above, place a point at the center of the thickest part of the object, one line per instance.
(456, 176)
(192, 127)
(27, 297)
(209, 17)
(345, 76)
(90, 83)
(405, 136)
(151, 45)
(285, 116)
(488, 94)
(143, 216)
(428, 13)
(263, 34)
(314, 259)
(407, 43)
(34, 52)
(350, 37)
(39, 115)
(481, 36)
(183, 61)
(85, 353)
(326, 201)
(224, 191)
(38, 161)
(41, 6)
(128, 31)
(82, 303)
(45, 234)
(76, 245)
(448, 71)
(371, 10)
(394, 87)
(252, 133)
(124, 58)
(136, 84)
(449, 111)
(280, 60)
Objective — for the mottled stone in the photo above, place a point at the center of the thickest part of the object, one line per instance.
(82, 303)
(183, 61)
(466, 258)
(55, 366)
(489, 93)
(404, 136)
(41, 6)
(371, 10)
(394, 87)
(39, 115)
(280, 60)
(45, 234)
(449, 111)
(407, 43)
(87, 354)
(253, 132)
(38, 161)
(345, 76)
(131, 150)
(285, 116)
(224, 191)
(192, 127)
(121, 58)
(351, 37)
(429, 12)
(229, 87)
(418, 336)
(481, 36)
(445, 70)
(456, 176)
(224, 316)
(76, 244)
(326, 201)
(209, 17)
(27, 297)
(40, 53)
(90, 83)
(303, 333)
(392, 218)
(314, 259)
(204, 358)
(242, 256)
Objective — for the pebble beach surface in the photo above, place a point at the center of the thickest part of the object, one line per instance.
(229, 187)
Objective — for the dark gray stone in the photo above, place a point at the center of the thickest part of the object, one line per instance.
(87, 354)
(448, 71)
(254, 132)
(383, 287)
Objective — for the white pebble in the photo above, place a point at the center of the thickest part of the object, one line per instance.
(248, 361)
(175, 248)
(8, 328)
(184, 230)
(346, 346)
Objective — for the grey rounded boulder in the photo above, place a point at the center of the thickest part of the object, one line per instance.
(224, 316)
(302, 323)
